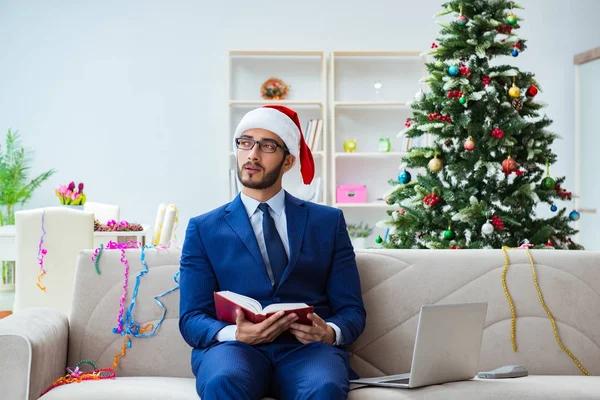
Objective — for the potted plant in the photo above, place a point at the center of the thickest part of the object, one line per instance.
(15, 187)
(359, 234)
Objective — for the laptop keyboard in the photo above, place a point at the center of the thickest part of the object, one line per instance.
(405, 380)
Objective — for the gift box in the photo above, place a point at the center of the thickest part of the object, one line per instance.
(351, 194)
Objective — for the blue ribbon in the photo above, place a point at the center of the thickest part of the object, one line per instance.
(130, 327)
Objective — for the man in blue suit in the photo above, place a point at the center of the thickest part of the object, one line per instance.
(275, 248)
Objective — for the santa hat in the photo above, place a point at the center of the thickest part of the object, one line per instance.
(284, 122)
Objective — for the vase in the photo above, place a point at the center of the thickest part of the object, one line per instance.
(78, 207)
(359, 243)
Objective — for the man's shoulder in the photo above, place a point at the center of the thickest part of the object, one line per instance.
(211, 216)
(322, 209)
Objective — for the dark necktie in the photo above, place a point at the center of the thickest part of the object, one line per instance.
(275, 250)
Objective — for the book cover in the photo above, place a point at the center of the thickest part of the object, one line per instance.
(227, 302)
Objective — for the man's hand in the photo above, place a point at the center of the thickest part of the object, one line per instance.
(263, 332)
(318, 332)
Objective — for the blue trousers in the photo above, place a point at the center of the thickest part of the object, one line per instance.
(237, 371)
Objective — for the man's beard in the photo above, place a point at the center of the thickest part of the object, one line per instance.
(267, 180)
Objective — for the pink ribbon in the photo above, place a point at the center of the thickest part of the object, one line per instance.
(132, 244)
(76, 373)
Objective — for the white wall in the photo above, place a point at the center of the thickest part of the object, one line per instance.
(130, 96)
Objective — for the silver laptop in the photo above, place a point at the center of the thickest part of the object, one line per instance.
(446, 349)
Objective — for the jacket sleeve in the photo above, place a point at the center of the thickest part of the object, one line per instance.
(343, 287)
(197, 283)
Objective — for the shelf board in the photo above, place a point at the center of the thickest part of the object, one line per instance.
(316, 103)
(377, 53)
(365, 205)
(371, 104)
(371, 154)
(300, 53)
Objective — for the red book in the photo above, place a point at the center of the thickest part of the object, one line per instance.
(227, 302)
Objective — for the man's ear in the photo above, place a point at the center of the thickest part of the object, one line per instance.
(289, 162)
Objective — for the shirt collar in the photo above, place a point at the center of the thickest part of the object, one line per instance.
(277, 203)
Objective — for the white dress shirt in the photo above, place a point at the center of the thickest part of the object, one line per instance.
(277, 211)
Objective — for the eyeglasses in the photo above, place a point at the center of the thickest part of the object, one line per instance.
(266, 146)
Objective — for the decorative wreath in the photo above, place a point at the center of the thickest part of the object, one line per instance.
(274, 89)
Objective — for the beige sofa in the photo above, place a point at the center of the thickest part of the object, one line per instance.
(37, 344)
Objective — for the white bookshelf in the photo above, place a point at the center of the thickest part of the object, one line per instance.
(305, 72)
(358, 112)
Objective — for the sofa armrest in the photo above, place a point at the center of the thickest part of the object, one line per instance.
(33, 351)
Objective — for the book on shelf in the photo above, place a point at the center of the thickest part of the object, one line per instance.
(425, 140)
(226, 302)
(313, 133)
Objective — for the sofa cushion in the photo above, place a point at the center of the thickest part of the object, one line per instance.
(96, 308)
(142, 388)
(396, 283)
(530, 387)
(544, 387)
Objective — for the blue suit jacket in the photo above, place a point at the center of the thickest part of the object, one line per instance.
(220, 252)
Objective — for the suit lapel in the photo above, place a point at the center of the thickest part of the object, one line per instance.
(296, 216)
(237, 218)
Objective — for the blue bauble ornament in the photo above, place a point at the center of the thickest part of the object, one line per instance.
(453, 70)
(515, 53)
(553, 208)
(404, 177)
(574, 215)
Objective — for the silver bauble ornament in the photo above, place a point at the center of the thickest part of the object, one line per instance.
(420, 96)
(487, 229)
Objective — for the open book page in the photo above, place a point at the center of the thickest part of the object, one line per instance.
(243, 301)
(283, 306)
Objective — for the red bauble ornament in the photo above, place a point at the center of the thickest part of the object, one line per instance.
(531, 91)
(469, 144)
(509, 166)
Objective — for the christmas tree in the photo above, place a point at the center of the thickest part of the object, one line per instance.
(488, 165)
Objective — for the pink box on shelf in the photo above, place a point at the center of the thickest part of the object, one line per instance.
(351, 194)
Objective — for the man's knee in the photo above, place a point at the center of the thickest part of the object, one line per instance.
(222, 385)
(328, 389)
(218, 381)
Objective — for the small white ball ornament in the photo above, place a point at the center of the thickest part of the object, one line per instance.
(487, 228)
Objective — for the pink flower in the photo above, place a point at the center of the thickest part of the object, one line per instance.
(123, 223)
(68, 193)
(80, 187)
(112, 222)
(62, 189)
(75, 195)
(71, 185)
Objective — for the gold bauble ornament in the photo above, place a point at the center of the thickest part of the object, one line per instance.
(350, 145)
(514, 91)
(435, 164)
